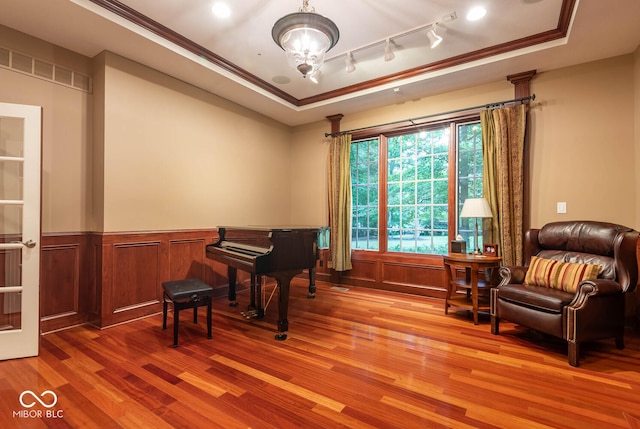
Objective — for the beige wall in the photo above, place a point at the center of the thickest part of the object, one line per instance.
(176, 157)
(582, 143)
(66, 130)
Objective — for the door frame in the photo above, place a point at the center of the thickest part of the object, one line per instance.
(25, 341)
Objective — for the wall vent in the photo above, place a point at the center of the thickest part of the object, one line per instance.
(4, 57)
(35, 67)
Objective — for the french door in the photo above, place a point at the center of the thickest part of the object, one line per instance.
(20, 151)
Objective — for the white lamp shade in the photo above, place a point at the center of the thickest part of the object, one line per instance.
(476, 207)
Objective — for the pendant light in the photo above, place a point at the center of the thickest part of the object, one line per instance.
(305, 36)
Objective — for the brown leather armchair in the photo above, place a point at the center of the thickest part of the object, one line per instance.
(597, 309)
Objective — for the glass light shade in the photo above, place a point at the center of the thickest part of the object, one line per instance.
(305, 48)
(305, 38)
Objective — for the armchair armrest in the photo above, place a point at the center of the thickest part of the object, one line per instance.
(598, 287)
(512, 275)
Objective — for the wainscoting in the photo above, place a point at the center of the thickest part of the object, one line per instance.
(111, 278)
(106, 279)
(417, 275)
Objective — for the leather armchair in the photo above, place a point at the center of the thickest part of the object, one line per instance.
(597, 309)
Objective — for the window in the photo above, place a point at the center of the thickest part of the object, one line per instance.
(364, 194)
(417, 196)
(469, 177)
(402, 188)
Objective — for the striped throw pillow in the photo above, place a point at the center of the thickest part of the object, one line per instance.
(541, 272)
(570, 275)
(565, 276)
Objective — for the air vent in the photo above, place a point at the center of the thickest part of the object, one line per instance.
(64, 76)
(21, 62)
(82, 82)
(4, 57)
(44, 70)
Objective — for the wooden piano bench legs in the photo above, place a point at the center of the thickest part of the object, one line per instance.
(183, 294)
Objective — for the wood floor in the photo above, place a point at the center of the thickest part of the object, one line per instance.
(354, 358)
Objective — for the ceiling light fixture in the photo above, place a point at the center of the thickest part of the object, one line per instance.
(433, 37)
(349, 66)
(221, 10)
(388, 52)
(305, 36)
(476, 13)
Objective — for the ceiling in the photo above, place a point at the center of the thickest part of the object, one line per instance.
(237, 59)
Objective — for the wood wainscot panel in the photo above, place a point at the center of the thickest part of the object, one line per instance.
(418, 278)
(415, 274)
(136, 277)
(364, 272)
(65, 289)
(131, 267)
(187, 259)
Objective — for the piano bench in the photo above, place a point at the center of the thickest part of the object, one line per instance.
(183, 294)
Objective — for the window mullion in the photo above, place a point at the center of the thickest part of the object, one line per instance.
(453, 182)
(382, 192)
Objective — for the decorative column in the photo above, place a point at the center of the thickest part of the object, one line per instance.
(335, 122)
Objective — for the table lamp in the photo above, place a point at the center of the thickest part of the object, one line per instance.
(476, 208)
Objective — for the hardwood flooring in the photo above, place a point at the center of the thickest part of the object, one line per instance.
(354, 358)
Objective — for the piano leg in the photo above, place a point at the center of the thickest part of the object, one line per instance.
(255, 310)
(284, 283)
(231, 274)
(259, 304)
(312, 283)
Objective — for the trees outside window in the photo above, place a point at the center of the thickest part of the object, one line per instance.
(408, 188)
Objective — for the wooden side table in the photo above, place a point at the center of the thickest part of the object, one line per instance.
(472, 299)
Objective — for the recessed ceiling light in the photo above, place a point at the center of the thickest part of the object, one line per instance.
(281, 80)
(221, 10)
(476, 13)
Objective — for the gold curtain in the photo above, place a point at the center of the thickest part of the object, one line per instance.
(340, 202)
(503, 132)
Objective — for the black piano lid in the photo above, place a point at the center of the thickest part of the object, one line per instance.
(283, 228)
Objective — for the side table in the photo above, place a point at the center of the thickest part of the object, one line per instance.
(472, 264)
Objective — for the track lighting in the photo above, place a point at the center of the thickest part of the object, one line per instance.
(390, 43)
(433, 37)
(388, 52)
(350, 67)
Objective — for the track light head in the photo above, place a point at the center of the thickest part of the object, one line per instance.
(349, 66)
(388, 51)
(433, 37)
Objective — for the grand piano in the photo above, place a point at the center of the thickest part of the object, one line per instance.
(279, 252)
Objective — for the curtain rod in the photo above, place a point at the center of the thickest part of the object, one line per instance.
(485, 106)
